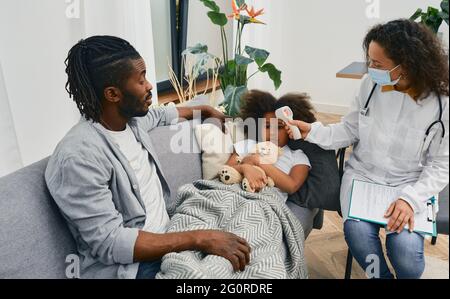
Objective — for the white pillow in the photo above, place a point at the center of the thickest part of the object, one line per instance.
(216, 147)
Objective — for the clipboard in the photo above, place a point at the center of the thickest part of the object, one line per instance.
(370, 201)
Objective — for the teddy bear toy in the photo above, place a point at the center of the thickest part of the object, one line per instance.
(268, 153)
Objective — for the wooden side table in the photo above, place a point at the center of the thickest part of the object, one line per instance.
(356, 70)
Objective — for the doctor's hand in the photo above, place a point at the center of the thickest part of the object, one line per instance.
(304, 128)
(400, 214)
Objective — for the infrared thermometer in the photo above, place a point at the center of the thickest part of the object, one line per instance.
(286, 115)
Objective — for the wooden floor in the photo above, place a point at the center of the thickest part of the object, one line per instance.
(326, 249)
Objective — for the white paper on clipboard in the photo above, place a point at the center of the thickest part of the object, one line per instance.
(370, 201)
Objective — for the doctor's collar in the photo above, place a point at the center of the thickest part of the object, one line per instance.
(410, 91)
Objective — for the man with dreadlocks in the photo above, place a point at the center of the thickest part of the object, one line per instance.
(105, 177)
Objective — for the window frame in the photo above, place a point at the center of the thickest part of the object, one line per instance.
(178, 39)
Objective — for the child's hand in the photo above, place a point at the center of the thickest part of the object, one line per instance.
(304, 127)
(252, 160)
(256, 178)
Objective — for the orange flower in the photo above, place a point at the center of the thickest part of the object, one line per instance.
(252, 13)
(237, 10)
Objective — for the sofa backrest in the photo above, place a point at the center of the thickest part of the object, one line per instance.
(34, 239)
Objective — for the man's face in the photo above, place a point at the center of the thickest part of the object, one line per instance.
(136, 92)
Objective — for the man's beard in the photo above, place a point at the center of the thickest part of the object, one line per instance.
(133, 106)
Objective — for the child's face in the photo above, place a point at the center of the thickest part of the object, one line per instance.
(275, 133)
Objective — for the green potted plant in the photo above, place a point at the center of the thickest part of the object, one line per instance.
(432, 17)
(233, 68)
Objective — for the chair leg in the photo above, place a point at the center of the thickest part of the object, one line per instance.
(348, 266)
(433, 240)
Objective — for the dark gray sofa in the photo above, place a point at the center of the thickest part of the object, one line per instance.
(34, 239)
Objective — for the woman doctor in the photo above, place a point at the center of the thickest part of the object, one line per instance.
(399, 127)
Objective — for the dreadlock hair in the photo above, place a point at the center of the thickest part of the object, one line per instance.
(94, 64)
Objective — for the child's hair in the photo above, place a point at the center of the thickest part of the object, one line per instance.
(257, 103)
(300, 105)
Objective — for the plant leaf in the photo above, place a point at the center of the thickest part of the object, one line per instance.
(444, 6)
(274, 74)
(218, 18)
(416, 15)
(444, 16)
(211, 5)
(197, 49)
(259, 55)
(233, 96)
(242, 60)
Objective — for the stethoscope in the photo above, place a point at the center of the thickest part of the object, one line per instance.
(441, 113)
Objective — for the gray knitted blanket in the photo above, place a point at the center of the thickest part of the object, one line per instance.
(275, 235)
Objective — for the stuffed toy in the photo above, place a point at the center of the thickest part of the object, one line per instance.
(268, 153)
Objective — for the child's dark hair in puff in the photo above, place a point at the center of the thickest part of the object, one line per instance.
(257, 104)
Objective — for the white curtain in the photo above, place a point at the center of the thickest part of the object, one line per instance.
(36, 36)
(8, 142)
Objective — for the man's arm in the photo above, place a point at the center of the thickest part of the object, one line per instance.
(205, 112)
(80, 188)
(150, 247)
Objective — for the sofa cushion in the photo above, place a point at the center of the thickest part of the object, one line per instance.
(179, 167)
(34, 239)
(322, 187)
(442, 217)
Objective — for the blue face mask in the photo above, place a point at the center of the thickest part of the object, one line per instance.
(383, 77)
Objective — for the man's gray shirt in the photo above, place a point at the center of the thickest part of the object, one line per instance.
(98, 194)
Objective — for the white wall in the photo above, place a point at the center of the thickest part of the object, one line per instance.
(35, 39)
(201, 30)
(311, 41)
(8, 142)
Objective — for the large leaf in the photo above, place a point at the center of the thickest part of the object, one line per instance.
(444, 16)
(232, 101)
(259, 55)
(197, 49)
(444, 6)
(444, 12)
(211, 5)
(274, 74)
(416, 15)
(218, 18)
(242, 60)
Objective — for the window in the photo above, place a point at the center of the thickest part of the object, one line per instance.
(169, 20)
(178, 24)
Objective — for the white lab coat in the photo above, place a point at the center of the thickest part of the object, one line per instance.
(387, 144)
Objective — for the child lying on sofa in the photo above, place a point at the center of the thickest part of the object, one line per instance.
(275, 235)
(292, 168)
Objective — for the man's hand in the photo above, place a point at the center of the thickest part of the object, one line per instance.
(256, 178)
(252, 160)
(210, 112)
(226, 245)
(400, 214)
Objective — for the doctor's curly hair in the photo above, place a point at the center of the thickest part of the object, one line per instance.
(418, 50)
